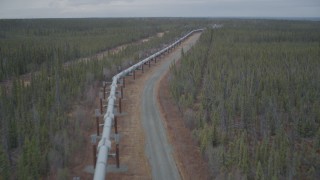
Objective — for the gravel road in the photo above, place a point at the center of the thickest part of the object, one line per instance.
(158, 149)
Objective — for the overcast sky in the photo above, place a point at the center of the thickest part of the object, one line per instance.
(158, 8)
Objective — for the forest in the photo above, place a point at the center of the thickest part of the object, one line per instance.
(29, 44)
(42, 121)
(250, 91)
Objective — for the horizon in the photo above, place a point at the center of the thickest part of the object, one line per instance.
(168, 17)
(39, 9)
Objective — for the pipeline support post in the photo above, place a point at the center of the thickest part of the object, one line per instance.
(134, 74)
(97, 120)
(124, 82)
(117, 155)
(94, 149)
(121, 91)
(120, 109)
(97, 124)
(104, 89)
(117, 150)
(115, 125)
(101, 106)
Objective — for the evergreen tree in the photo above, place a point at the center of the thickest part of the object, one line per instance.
(4, 164)
(259, 172)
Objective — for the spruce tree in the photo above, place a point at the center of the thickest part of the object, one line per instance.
(259, 172)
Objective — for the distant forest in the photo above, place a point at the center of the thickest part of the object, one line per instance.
(250, 92)
(27, 45)
(43, 101)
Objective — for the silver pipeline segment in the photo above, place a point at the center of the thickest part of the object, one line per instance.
(104, 144)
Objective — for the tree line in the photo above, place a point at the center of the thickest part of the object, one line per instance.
(250, 93)
(29, 44)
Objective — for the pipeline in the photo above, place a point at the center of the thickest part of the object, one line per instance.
(104, 144)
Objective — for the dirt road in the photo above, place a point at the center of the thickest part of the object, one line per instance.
(158, 149)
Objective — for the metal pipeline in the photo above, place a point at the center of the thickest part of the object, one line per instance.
(104, 144)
